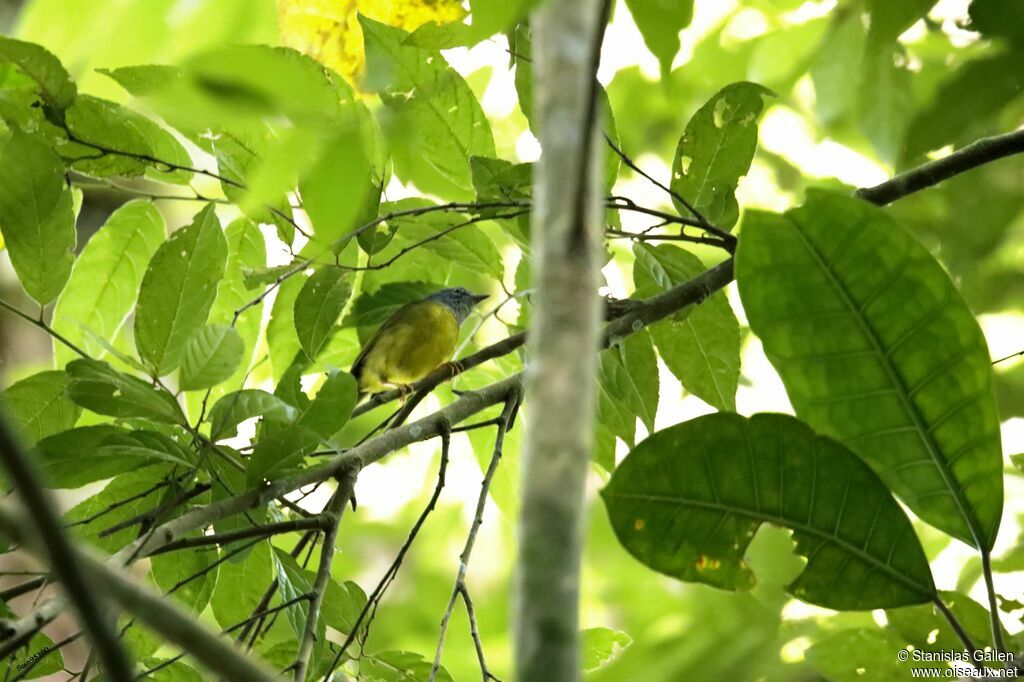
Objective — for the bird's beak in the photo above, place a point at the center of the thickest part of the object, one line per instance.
(477, 298)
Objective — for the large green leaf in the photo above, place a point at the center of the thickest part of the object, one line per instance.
(125, 497)
(92, 453)
(178, 290)
(234, 408)
(210, 356)
(438, 119)
(41, 66)
(105, 279)
(715, 151)
(241, 585)
(107, 127)
(877, 349)
(191, 574)
(885, 101)
(660, 22)
(39, 406)
(332, 406)
(319, 305)
(700, 346)
(281, 336)
(688, 500)
(99, 387)
(890, 19)
(628, 383)
(36, 216)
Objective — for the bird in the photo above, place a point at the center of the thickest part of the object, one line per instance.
(418, 338)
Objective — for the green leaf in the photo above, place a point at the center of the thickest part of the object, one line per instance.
(92, 453)
(715, 151)
(998, 19)
(601, 646)
(36, 216)
(125, 497)
(628, 383)
(660, 22)
(281, 337)
(331, 408)
(279, 451)
(451, 237)
(241, 585)
(687, 501)
(99, 387)
(210, 356)
(104, 127)
(105, 279)
(859, 654)
(400, 666)
(234, 408)
(342, 605)
(335, 189)
(38, 406)
(295, 582)
(319, 305)
(701, 347)
(183, 572)
(886, 102)
(926, 629)
(972, 94)
(41, 66)
(178, 290)
(836, 65)
(438, 123)
(876, 348)
(890, 19)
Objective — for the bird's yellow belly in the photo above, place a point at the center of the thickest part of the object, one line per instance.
(411, 349)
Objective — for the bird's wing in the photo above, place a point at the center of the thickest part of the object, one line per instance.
(357, 364)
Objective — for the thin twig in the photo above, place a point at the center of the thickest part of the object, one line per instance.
(504, 423)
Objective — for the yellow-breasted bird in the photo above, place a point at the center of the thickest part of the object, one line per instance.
(418, 338)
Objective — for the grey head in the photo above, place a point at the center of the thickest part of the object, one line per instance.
(459, 300)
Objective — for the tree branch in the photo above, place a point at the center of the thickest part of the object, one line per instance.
(335, 508)
(49, 536)
(978, 153)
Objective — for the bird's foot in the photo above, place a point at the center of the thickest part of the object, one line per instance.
(454, 367)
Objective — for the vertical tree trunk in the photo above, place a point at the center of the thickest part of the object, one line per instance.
(563, 340)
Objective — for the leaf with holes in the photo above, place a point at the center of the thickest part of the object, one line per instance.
(715, 151)
(688, 500)
(211, 356)
(877, 349)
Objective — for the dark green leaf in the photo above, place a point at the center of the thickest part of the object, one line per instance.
(877, 348)
(998, 19)
(39, 406)
(890, 19)
(178, 290)
(99, 387)
(241, 585)
(715, 151)
(318, 306)
(105, 127)
(332, 405)
(438, 122)
(700, 346)
(92, 453)
(36, 216)
(660, 22)
(105, 279)
(125, 497)
(40, 65)
(234, 408)
(688, 500)
(180, 572)
(210, 356)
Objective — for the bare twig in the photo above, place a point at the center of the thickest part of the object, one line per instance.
(318, 522)
(504, 423)
(335, 508)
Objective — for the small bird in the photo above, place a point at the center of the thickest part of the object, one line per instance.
(418, 338)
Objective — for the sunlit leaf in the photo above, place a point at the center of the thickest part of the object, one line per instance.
(628, 383)
(99, 387)
(40, 65)
(601, 646)
(210, 356)
(332, 406)
(178, 290)
(106, 277)
(318, 307)
(39, 406)
(688, 500)
(715, 151)
(877, 348)
(234, 408)
(660, 22)
(36, 216)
